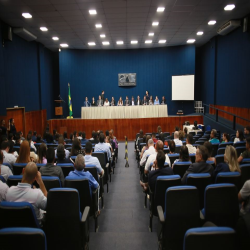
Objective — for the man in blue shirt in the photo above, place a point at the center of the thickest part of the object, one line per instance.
(86, 103)
(101, 146)
(213, 136)
(90, 160)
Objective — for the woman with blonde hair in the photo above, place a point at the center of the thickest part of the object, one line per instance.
(230, 163)
(24, 153)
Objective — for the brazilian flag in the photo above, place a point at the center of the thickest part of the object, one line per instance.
(70, 103)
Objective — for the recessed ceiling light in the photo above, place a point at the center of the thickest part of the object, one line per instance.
(92, 12)
(162, 41)
(160, 9)
(199, 33)
(151, 34)
(43, 29)
(155, 23)
(102, 35)
(64, 45)
(134, 42)
(190, 40)
(91, 43)
(55, 38)
(212, 22)
(119, 42)
(98, 25)
(105, 43)
(26, 15)
(229, 7)
(148, 41)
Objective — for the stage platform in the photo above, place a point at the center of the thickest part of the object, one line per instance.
(122, 127)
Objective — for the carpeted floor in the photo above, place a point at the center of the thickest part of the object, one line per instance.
(123, 223)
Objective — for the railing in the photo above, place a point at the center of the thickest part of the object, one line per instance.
(230, 116)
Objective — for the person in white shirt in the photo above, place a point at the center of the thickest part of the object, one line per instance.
(29, 139)
(3, 191)
(4, 170)
(176, 139)
(106, 103)
(149, 151)
(8, 158)
(24, 192)
(191, 148)
(102, 146)
(158, 146)
(132, 101)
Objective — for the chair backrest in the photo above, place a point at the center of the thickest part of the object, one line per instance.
(192, 157)
(219, 159)
(17, 214)
(51, 182)
(200, 181)
(173, 157)
(200, 142)
(245, 173)
(82, 185)
(2, 179)
(181, 213)
(16, 148)
(215, 238)
(240, 150)
(92, 169)
(63, 216)
(214, 149)
(66, 168)
(229, 177)
(162, 184)
(245, 161)
(221, 204)
(221, 150)
(240, 144)
(19, 237)
(18, 168)
(223, 145)
(177, 149)
(14, 179)
(7, 164)
(181, 167)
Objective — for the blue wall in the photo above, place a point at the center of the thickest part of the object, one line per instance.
(91, 71)
(224, 67)
(28, 72)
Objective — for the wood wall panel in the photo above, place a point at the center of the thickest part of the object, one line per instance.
(122, 127)
(242, 112)
(36, 121)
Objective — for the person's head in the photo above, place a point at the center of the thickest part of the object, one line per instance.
(231, 158)
(171, 146)
(153, 135)
(60, 152)
(86, 98)
(141, 133)
(225, 137)
(151, 98)
(176, 128)
(126, 97)
(34, 133)
(159, 129)
(12, 121)
(79, 162)
(147, 92)
(184, 154)
(103, 92)
(10, 136)
(5, 145)
(120, 99)
(54, 131)
(248, 143)
(24, 153)
(144, 98)
(213, 133)
(240, 135)
(201, 154)
(29, 173)
(247, 130)
(209, 148)
(106, 100)
(107, 133)
(80, 133)
(150, 143)
(29, 137)
(132, 98)
(159, 145)
(93, 98)
(189, 139)
(95, 135)
(76, 146)
(101, 138)
(71, 136)
(61, 140)
(100, 97)
(88, 148)
(160, 159)
(156, 98)
(113, 98)
(163, 98)
(176, 135)
(83, 135)
(38, 138)
(18, 139)
(42, 152)
(138, 97)
(148, 137)
(50, 155)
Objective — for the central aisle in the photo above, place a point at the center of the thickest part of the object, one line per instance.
(123, 223)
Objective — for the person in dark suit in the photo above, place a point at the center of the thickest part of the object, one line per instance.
(163, 100)
(147, 96)
(99, 102)
(144, 102)
(86, 103)
(112, 103)
(138, 101)
(102, 96)
(126, 102)
(200, 165)
(93, 103)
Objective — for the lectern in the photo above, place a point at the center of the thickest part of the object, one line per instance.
(59, 109)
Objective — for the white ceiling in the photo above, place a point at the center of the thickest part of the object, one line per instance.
(124, 20)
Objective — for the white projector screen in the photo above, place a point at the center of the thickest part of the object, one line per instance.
(183, 88)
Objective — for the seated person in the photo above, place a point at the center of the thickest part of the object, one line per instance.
(163, 100)
(24, 153)
(94, 139)
(246, 153)
(239, 136)
(213, 136)
(247, 131)
(120, 102)
(61, 156)
(159, 171)
(149, 151)
(127, 102)
(91, 160)
(93, 103)
(225, 138)
(133, 101)
(200, 165)
(177, 141)
(18, 140)
(86, 103)
(3, 191)
(31, 143)
(61, 142)
(84, 140)
(146, 147)
(191, 148)
(99, 102)
(4, 170)
(106, 103)
(244, 198)
(24, 192)
(34, 136)
(8, 158)
(76, 148)
(230, 163)
(50, 169)
(145, 101)
(39, 139)
(102, 146)
(112, 103)
(154, 137)
(209, 147)
(184, 155)
(156, 102)
(171, 146)
(151, 101)
(42, 154)
(138, 101)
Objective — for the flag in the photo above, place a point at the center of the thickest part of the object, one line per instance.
(70, 103)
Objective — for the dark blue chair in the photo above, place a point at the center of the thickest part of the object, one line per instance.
(181, 167)
(214, 149)
(245, 173)
(51, 182)
(66, 168)
(192, 157)
(14, 179)
(221, 204)
(2, 179)
(240, 144)
(245, 161)
(219, 159)
(173, 157)
(229, 177)
(223, 145)
(221, 150)
(206, 238)
(23, 237)
(7, 164)
(18, 168)
(240, 150)
(181, 213)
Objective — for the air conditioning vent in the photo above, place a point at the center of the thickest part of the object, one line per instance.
(228, 27)
(25, 34)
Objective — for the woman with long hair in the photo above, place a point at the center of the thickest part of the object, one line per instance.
(76, 148)
(184, 155)
(120, 102)
(239, 136)
(230, 163)
(42, 154)
(24, 153)
(225, 138)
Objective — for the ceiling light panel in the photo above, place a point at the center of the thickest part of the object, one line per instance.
(229, 7)
(155, 23)
(55, 38)
(43, 29)
(190, 40)
(148, 41)
(162, 41)
(134, 42)
(160, 9)
(199, 33)
(212, 22)
(26, 15)
(151, 34)
(64, 45)
(91, 43)
(119, 42)
(92, 12)
(98, 25)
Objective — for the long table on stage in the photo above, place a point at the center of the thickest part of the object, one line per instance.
(124, 112)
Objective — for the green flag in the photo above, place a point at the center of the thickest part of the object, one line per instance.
(70, 103)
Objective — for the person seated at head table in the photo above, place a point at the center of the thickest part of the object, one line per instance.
(112, 103)
(126, 102)
(120, 102)
(93, 103)
(163, 100)
(106, 103)
(138, 101)
(144, 102)
(99, 102)
(151, 101)
(86, 103)
(156, 102)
